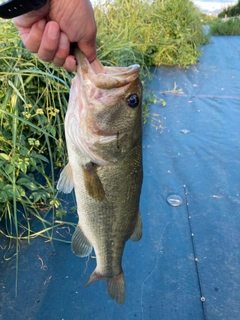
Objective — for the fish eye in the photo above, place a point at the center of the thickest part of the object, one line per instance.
(132, 100)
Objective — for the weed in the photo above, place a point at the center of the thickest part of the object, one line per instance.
(33, 100)
(174, 91)
(225, 27)
(149, 33)
(230, 11)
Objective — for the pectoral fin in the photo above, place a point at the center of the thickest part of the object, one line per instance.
(65, 182)
(137, 233)
(80, 244)
(92, 181)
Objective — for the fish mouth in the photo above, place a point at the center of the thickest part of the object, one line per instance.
(93, 123)
(105, 77)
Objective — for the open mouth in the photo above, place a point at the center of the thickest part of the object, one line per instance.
(106, 77)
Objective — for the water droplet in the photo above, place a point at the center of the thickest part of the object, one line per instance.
(185, 131)
(174, 200)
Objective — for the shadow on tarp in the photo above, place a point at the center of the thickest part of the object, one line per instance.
(187, 264)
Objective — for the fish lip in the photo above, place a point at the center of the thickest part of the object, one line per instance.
(105, 77)
(123, 76)
(123, 71)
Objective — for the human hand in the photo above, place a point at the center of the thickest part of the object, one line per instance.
(49, 31)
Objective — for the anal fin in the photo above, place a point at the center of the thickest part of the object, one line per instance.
(93, 278)
(80, 244)
(65, 182)
(137, 233)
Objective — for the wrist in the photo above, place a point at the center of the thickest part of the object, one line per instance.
(14, 8)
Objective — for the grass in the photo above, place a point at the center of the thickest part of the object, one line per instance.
(34, 97)
(225, 27)
(227, 23)
(33, 100)
(207, 19)
(149, 33)
(230, 11)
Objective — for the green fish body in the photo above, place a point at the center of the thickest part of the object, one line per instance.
(103, 129)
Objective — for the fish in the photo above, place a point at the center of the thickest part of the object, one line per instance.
(103, 131)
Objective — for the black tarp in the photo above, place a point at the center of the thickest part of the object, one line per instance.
(187, 265)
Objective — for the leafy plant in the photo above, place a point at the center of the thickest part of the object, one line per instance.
(230, 26)
(33, 101)
(149, 33)
(230, 11)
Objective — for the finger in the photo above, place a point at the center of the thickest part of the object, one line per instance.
(63, 50)
(70, 64)
(89, 50)
(32, 37)
(28, 19)
(50, 41)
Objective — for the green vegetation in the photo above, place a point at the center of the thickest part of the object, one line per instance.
(149, 33)
(229, 27)
(207, 19)
(34, 97)
(33, 100)
(227, 23)
(230, 11)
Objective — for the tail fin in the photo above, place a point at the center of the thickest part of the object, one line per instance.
(115, 286)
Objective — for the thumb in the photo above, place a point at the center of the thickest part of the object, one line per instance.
(89, 50)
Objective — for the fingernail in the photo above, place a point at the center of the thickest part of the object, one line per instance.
(53, 31)
(63, 43)
(41, 24)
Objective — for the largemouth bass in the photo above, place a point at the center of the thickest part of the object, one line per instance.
(103, 129)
